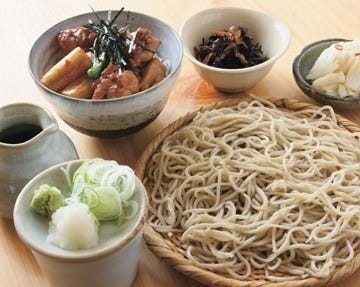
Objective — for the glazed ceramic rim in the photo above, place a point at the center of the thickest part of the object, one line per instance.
(177, 64)
(268, 62)
(84, 254)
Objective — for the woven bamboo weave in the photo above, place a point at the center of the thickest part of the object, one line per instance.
(169, 250)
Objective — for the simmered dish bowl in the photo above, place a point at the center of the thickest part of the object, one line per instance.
(250, 193)
(108, 116)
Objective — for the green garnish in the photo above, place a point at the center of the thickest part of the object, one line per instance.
(111, 44)
(98, 66)
(106, 188)
(47, 199)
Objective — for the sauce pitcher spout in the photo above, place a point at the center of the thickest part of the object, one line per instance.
(23, 123)
(49, 130)
(30, 141)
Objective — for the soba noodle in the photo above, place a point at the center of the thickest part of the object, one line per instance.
(255, 190)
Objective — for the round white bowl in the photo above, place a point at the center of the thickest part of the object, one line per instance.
(112, 262)
(272, 34)
(109, 117)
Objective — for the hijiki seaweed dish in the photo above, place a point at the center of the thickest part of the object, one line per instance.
(230, 48)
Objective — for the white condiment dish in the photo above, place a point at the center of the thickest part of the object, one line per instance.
(272, 34)
(113, 262)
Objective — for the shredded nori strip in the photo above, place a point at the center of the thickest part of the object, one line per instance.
(230, 49)
(111, 43)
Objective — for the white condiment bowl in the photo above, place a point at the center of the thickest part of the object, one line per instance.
(272, 34)
(113, 262)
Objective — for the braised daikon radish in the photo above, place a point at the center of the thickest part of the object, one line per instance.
(81, 88)
(67, 70)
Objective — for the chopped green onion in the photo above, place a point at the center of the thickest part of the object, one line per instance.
(106, 187)
(109, 204)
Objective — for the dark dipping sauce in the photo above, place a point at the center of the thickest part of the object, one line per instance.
(230, 49)
(19, 133)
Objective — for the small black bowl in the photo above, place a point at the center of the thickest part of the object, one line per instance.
(301, 67)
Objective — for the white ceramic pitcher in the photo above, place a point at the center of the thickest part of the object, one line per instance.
(30, 141)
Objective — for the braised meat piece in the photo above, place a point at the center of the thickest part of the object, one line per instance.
(81, 37)
(146, 45)
(115, 84)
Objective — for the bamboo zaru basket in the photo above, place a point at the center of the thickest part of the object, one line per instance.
(170, 247)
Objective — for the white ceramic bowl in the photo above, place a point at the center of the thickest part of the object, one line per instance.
(113, 262)
(272, 34)
(111, 117)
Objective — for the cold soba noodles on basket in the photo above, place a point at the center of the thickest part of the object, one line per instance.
(255, 192)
